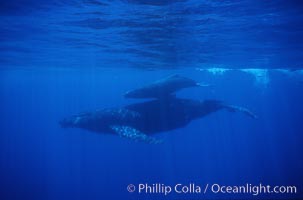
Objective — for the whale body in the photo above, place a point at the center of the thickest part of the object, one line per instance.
(141, 120)
(163, 88)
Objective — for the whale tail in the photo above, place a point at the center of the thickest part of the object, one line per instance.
(232, 108)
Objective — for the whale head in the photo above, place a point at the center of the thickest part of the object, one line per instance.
(74, 121)
(68, 122)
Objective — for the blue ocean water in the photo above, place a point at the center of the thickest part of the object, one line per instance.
(59, 58)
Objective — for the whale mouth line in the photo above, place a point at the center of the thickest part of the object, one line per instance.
(62, 124)
(65, 123)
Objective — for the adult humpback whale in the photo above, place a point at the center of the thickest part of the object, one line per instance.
(139, 121)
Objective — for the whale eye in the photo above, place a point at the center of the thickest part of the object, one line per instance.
(77, 120)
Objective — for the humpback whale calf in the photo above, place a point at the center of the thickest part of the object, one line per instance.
(139, 121)
(163, 88)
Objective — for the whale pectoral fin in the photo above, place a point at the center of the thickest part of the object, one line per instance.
(203, 85)
(232, 108)
(134, 134)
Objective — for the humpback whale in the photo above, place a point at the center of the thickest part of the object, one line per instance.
(140, 121)
(163, 88)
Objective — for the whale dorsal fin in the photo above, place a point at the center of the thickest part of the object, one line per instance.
(134, 134)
